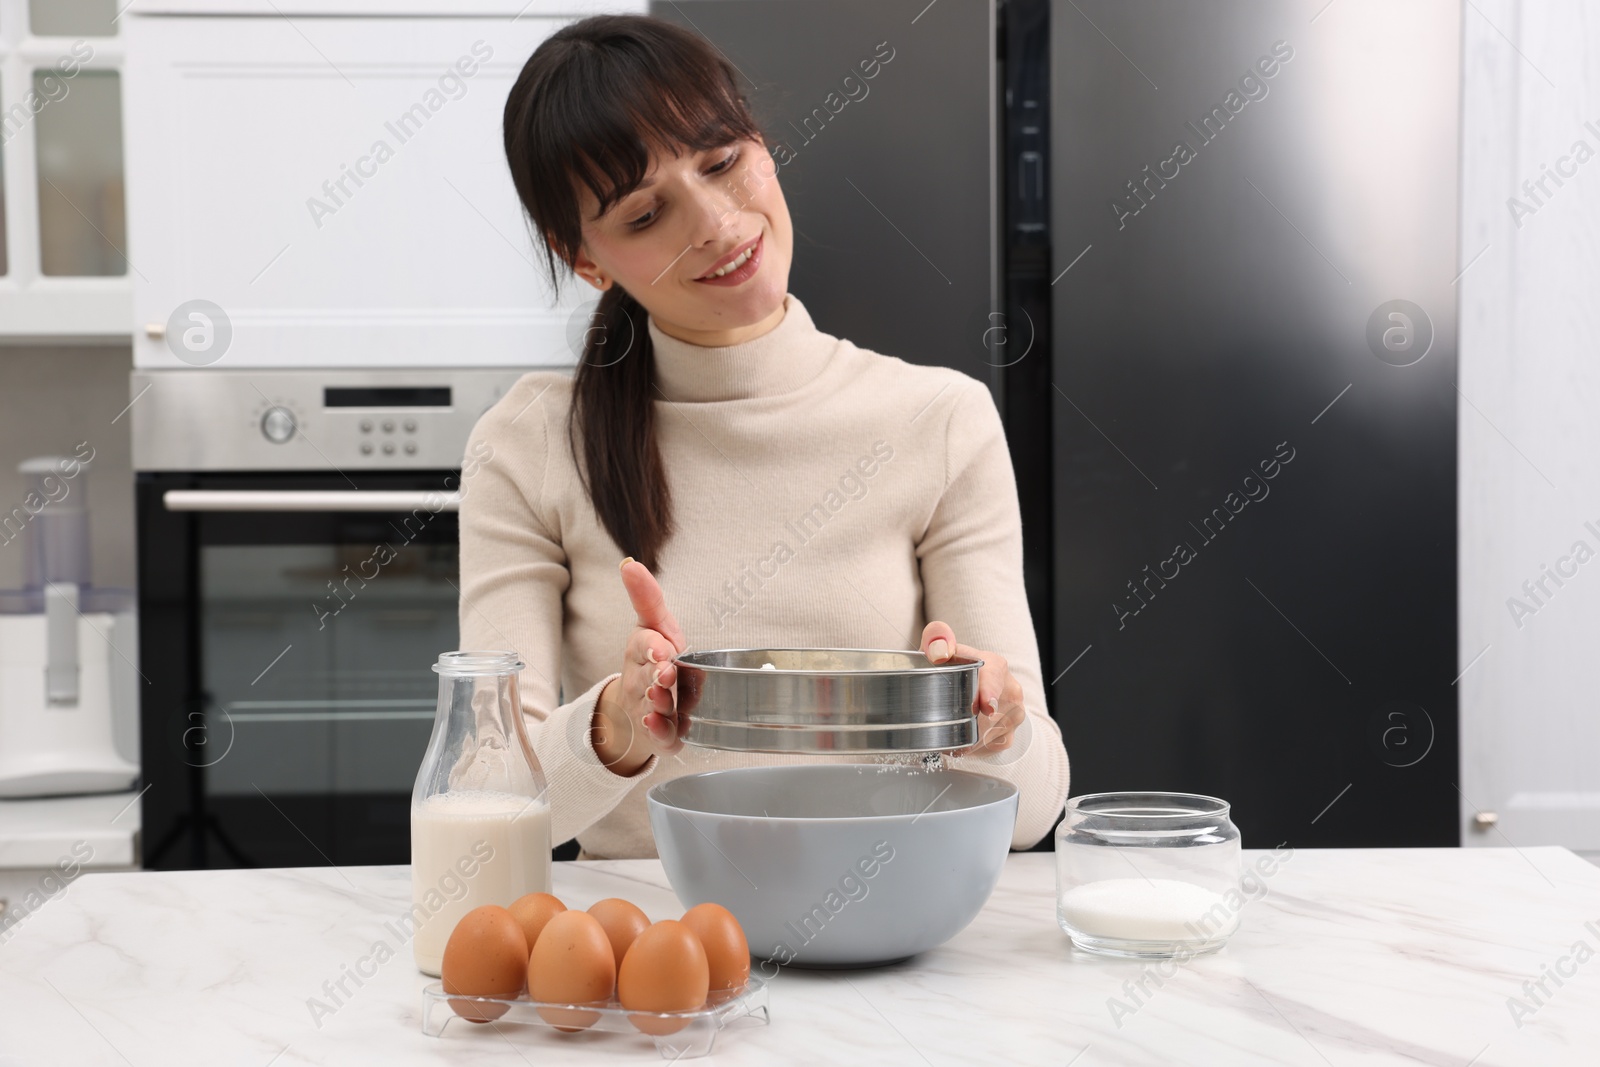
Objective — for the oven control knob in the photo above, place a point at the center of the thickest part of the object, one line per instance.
(277, 425)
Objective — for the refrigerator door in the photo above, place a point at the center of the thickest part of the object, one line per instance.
(887, 124)
(1255, 409)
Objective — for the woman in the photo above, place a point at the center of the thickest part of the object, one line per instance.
(789, 488)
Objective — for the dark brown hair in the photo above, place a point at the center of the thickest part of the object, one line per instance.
(591, 104)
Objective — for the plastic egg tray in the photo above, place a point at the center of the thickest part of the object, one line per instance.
(696, 1036)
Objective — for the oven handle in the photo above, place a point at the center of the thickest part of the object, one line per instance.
(322, 500)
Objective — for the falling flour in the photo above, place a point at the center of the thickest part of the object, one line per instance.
(905, 762)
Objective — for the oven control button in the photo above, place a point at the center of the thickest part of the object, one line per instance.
(388, 426)
(411, 426)
(277, 425)
(366, 448)
(411, 448)
(366, 425)
(388, 448)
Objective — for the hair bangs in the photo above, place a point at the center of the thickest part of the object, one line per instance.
(600, 115)
(667, 112)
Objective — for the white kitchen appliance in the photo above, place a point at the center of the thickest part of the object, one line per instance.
(58, 646)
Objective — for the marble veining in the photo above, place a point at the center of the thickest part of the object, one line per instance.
(1347, 956)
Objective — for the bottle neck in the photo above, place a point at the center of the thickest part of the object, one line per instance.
(479, 743)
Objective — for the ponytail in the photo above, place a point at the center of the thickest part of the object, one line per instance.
(611, 428)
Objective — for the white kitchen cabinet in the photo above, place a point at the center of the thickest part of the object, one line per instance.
(335, 182)
(1529, 430)
(47, 843)
(98, 830)
(64, 268)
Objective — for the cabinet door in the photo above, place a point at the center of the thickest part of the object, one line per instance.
(64, 257)
(1530, 520)
(338, 188)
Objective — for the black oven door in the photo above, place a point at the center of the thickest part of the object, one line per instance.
(288, 624)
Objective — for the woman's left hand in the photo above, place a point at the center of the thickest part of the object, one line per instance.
(999, 701)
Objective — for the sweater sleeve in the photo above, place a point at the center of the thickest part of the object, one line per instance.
(513, 579)
(970, 558)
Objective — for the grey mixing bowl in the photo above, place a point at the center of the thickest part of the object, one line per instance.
(836, 865)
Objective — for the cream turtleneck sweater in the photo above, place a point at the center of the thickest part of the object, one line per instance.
(823, 495)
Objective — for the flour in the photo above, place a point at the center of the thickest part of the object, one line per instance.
(1143, 909)
(907, 762)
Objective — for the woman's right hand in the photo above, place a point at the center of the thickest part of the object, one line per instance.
(637, 712)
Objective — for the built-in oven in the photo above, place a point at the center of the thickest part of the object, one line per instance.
(297, 578)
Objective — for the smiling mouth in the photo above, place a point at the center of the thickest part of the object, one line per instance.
(734, 264)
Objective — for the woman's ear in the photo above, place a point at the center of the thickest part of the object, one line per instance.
(587, 269)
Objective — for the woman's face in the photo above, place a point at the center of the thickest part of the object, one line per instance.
(691, 213)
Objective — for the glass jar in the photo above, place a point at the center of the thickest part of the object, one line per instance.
(1148, 875)
(480, 817)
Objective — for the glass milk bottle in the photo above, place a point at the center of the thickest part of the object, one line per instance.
(480, 816)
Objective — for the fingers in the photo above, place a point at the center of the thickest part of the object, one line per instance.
(938, 641)
(660, 727)
(996, 731)
(992, 677)
(660, 701)
(998, 702)
(657, 705)
(664, 732)
(650, 603)
(939, 644)
(651, 650)
(648, 677)
(645, 698)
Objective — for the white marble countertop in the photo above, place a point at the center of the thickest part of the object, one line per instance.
(42, 832)
(1347, 957)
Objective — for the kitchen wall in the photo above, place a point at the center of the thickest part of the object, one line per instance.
(1529, 431)
(1529, 424)
(52, 397)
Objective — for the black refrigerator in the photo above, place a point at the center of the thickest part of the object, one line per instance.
(1205, 256)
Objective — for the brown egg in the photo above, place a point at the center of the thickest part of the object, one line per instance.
(623, 922)
(572, 964)
(533, 911)
(486, 956)
(665, 970)
(727, 951)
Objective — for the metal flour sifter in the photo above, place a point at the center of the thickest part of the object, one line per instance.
(832, 700)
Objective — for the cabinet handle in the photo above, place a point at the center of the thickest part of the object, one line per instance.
(326, 500)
